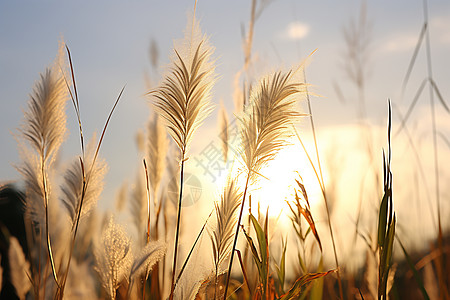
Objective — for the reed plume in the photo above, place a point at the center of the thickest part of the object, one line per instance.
(19, 268)
(138, 205)
(223, 131)
(113, 257)
(157, 148)
(182, 100)
(72, 188)
(266, 129)
(222, 235)
(149, 256)
(43, 129)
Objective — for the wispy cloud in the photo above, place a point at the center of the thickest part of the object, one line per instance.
(296, 31)
(407, 40)
(439, 27)
(400, 42)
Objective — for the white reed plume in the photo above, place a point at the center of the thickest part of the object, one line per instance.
(266, 128)
(222, 235)
(113, 257)
(43, 130)
(157, 149)
(223, 131)
(183, 100)
(72, 188)
(19, 268)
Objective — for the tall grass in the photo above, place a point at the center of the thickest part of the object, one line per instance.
(63, 251)
(182, 100)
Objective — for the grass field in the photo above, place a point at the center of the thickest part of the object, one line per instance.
(296, 212)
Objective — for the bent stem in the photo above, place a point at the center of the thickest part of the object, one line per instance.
(323, 191)
(47, 233)
(236, 235)
(178, 226)
(60, 293)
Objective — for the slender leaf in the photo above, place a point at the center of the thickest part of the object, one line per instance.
(296, 289)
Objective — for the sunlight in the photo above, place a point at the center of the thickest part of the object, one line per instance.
(278, 186)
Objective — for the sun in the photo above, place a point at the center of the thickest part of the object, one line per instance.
(278, 183)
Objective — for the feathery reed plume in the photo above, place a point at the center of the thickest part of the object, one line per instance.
(154, 54)
(182, 100)
(113, 257)
(223, 129)
(138, 204)
(140, 140)
(72, 188)
(121, 197)
(222, 235)
(19, 268)
(44, 128)
(81, 283)
(150, 255)
(157, 149)
(265, 129)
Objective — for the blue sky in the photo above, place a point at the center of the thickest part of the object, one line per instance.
(110, 40)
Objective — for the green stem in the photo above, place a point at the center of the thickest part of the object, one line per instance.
(47, 233)
(236, 235)
(178, 228)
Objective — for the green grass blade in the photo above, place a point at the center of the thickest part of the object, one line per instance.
(413, 269)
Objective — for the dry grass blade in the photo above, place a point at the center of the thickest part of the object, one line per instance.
(411, 107)
(305, 211)
(191, 251)
(414, 56)
(300, 282)
(438, 93)
(75, 101)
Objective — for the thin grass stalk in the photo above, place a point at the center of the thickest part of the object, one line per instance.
(43, 129)
(236, 234)
(75, 101)
(147, 183)
(192, 248)
(183, 102)
(244, 273)
(60, 293)
(47, 233)
(442, 289)
(341, 294)
(172, 289)
(148, 200)
(416, 156)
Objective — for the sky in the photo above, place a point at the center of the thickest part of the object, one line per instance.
(110, 42)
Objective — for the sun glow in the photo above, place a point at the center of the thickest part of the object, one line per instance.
(278, 186)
